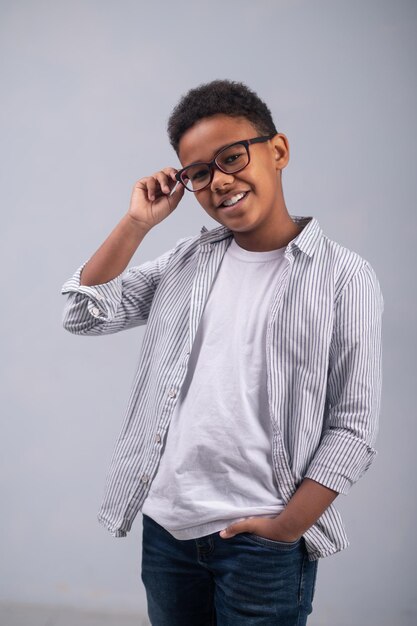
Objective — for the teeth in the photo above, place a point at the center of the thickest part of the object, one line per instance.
(233, 200)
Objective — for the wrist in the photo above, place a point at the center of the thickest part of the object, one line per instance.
(289, 528)
(138, 225)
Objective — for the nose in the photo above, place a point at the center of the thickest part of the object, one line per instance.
(220, 179)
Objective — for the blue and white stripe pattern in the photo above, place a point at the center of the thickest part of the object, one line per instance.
(324, 365)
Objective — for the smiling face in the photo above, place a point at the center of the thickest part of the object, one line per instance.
(249, 202)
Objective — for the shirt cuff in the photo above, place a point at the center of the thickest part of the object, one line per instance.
(340, 461)
(102, 300)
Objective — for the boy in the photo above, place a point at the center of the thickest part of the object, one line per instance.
(257, 395)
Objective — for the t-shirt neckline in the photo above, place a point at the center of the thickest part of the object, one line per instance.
(251, 256)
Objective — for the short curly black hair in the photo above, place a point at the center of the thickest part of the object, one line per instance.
(219, 96)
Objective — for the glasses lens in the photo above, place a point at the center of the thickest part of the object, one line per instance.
(233, 158)
(196, 176)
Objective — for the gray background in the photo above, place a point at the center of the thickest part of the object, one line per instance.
(87, 88)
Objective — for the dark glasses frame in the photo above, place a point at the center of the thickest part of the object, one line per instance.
(212, 164)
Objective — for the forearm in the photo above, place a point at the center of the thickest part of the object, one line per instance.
(113, 256)
(305, 507)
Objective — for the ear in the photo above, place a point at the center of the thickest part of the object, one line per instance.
(280, 150)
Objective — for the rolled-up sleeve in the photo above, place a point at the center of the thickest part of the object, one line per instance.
(119, 304)
(354, 385)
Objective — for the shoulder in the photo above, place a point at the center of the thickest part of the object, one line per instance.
(326, 259)
(350, 269)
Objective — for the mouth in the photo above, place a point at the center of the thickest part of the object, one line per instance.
(231, 203)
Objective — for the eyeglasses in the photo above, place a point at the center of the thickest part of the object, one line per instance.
(230, 160)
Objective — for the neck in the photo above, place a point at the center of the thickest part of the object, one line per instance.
(284, 231)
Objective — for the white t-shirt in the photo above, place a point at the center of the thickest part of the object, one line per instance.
(216, 466)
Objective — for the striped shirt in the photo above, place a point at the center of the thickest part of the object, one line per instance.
(324, 365)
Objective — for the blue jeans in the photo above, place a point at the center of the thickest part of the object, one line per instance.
(210, 581)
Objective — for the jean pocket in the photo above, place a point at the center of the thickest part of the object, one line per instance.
(273, 543)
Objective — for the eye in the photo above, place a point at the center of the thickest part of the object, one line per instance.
(199, 174)
(233, 156)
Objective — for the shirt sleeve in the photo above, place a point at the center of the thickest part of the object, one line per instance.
(353, 387)
(119, 304)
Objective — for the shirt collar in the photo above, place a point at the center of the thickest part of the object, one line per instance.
(306, 241)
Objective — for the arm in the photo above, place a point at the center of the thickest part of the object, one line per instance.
(101, 300)
(113, 256)
(353, 386)
(150, 203)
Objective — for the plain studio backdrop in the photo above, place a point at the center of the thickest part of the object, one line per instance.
(86, 90)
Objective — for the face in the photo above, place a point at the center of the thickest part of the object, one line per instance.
(261, 209)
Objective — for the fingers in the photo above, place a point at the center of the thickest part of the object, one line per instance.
(159, 184)
(169, 174)
(267, 527)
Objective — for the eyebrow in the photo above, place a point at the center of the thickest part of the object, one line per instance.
(214, 153)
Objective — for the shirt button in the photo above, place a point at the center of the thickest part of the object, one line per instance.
(172, 393)
(145, 478)
(157, 437)
(95, 311)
